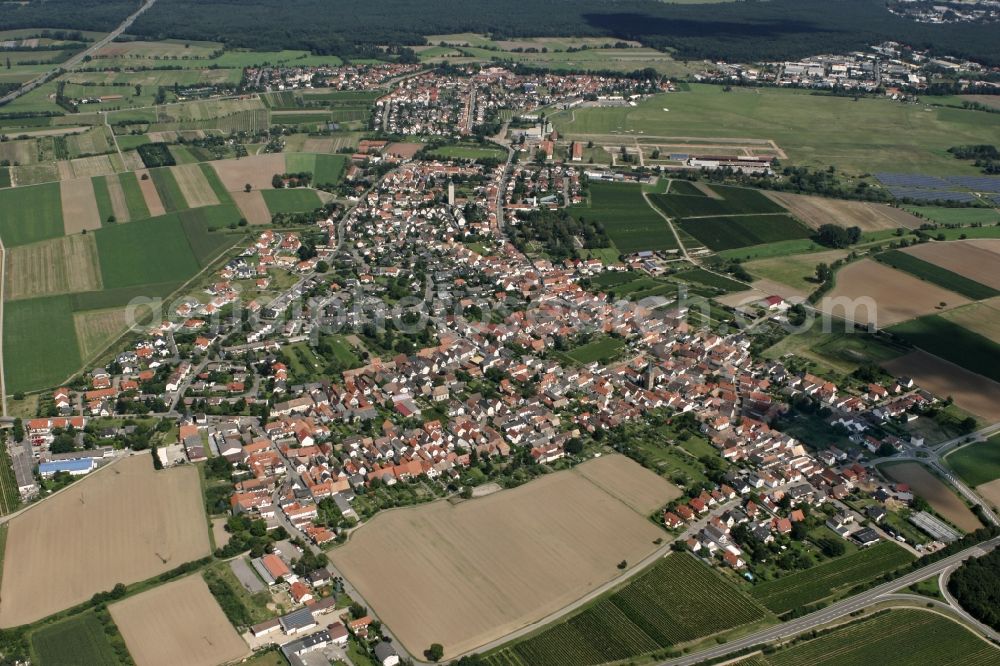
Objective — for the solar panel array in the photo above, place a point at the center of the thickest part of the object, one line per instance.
(930, 195)
(977, 183)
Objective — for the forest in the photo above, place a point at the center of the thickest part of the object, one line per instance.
(976, 585)
(740, 31)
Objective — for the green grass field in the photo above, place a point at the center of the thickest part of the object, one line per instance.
(329, 169)
(863, 136)
(901, 637)
(628, 220)
(830, 578)
(216, 183)
(155, 250)
(728, 233)
(30, 214)
(937, 275)
(76, 640)
(602, 349)
(734, 201)
(957, 215)
(938, 336)
(132, 141)
(104, 207)
(291, 201)
(977, 463)
(199, 225)
(4, 176)
(39, 343)
(469, 153)
(684, 187)
(709, 279)
(134, 200)
(677, 600)
(168, 189)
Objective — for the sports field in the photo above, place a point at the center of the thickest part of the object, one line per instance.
(941, 498)
(903, 637)
(123, 524)
(862, 136)
(677, 600)
(485, 567)
(29, 214)
(631, 224)
(829, 578)
(179, 622)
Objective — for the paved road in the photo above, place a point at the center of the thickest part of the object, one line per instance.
(78, 58)
(833, 612)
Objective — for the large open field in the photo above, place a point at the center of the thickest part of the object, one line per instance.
(29, 214)
(481, 569)
(256, 170)
(57, 266)
(817, 211)
(977, 463)
(938, 495)
(678, 600)
(628, 220)
(797, 270)
(39, 343)
(148, 251)
(291, 201)
(830, 578)
(79, 206)
(894, 296)
(973, 393)
(122, 524)
(80, 639)
(903, 637)
(176, 623)
(942, 277)
(944, 338)
(194, 185)
(861, 136)
(977, 260)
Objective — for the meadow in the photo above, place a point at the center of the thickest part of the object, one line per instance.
(39, 343)
(291, 201)
(936, 274)
(628, 220)
(462, 152)
(901, 637)
(677, 600)
(960, 216)
(936, 335)
(862, 136)
(147, 251)
(830, 578)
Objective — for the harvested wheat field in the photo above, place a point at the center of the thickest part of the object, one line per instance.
(973, 393)
(195, 187)
(817, 211)
(990, 492)
(257, 170)
(150, 194)
(119, 204)
(478, 570)
(869, 292)
(177, 623)
(252, 206)
(122, 524)
(941, 498)
(95, 329)
(977, 260)
(98, 165)
(636, 486)
(59, 266)
(79, 207)
(982, 317)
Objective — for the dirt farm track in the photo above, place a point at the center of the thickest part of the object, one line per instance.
(122, 524)
(476, 571)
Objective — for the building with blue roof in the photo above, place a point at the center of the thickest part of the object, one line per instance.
(74, 466)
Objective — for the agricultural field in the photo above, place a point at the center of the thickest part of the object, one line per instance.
(970, 391)
(252, 206)
(147, 251)
(80, 639)
(797, 270)
(876, 293)
(30, 214)
(95, 141)
(857, 137)
(830, 578)
(817, 211)
(34, 174)
(948, 340)
(941, 498)
(961, 216)
(168, 189)
(631, 224)
(975, 260)
(676, 601)
(901, 637)
(982, 318)
(150, 197)
(124, 523)
(525, 554)
(179, 622)
(30, 363)
(838, 350)
(256, 170)
(291, 201)
(195, 187)
(96, 328)
(473, 152)
(730, 201)
(710, 279)
(80, 210)
(977, 463)
(942, 277)
(58, 266)
(727, 233)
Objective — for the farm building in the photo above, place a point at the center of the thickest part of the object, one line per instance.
(73, 467)
(752, 165)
